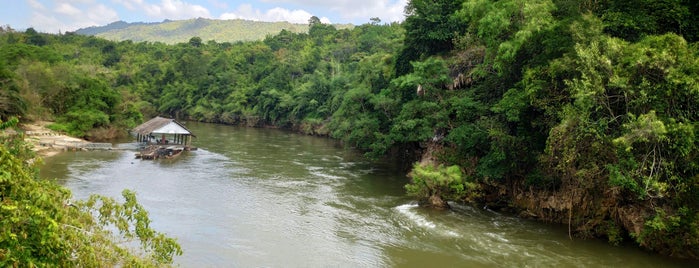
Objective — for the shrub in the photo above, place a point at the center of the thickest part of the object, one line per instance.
(440, 182)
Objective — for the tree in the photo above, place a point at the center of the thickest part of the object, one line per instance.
(11, 103)
(313, 21)
(435, 185)
(319, 31)
(431, 27)
(632, 20)
(195, 41)
(34, 38)
(504, 27)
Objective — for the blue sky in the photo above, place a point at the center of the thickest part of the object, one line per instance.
(53, 16)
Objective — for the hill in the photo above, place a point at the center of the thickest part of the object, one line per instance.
(179, 31)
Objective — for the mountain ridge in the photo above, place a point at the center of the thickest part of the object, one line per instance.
(180, 31)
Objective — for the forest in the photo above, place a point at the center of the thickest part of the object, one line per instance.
(582, 113)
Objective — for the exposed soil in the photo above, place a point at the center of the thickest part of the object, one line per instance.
(46, 142)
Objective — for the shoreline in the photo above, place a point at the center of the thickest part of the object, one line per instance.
(46, 142)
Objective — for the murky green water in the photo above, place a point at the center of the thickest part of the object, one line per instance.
(268, 198)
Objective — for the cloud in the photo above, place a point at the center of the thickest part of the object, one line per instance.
(34, 4)
(247, 12)
(45, 23)
(175, 9)
(355, 10)
(219, 4)
(69, 15)
(167, 9)
(386, 10)
(130, 4)
(67, 9)
(101, 14)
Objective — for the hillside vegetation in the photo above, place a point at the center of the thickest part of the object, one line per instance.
(179, 31)
(583, 113)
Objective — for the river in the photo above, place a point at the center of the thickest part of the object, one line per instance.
(269, 198)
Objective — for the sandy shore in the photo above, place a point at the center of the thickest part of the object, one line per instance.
(47, 142)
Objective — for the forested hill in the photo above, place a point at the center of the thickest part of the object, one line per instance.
(180, 31)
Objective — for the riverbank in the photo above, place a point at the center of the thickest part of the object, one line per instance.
(46, 142)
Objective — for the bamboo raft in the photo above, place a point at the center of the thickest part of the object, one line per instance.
(153, 152)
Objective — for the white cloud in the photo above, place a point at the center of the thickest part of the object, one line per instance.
(34, 4)
(395, 12)
(355, 10)
(44, 23)
(166, 9)
(67, 9)
(246, 12)
(219, 4)
(386, 10)
(101, 14)
(129, 4)
(70, 15)
(175, 9)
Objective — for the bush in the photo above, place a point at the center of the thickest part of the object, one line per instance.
(79, 122)
(435, 183)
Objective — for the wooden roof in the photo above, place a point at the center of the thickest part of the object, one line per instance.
(161, 125)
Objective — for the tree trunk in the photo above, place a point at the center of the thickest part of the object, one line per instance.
(437, 202)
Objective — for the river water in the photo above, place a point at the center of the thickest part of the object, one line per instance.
(268, 198)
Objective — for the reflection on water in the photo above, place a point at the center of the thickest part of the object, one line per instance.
(268, 198)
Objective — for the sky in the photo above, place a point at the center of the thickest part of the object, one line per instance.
(53, 16)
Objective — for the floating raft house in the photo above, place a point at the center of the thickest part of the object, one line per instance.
(162, 137)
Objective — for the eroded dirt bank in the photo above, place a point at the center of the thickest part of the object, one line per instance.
(46, 142)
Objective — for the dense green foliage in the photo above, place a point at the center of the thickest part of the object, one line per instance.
(39, 226)
(592, 102)
(445, 182)
(61, 81)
